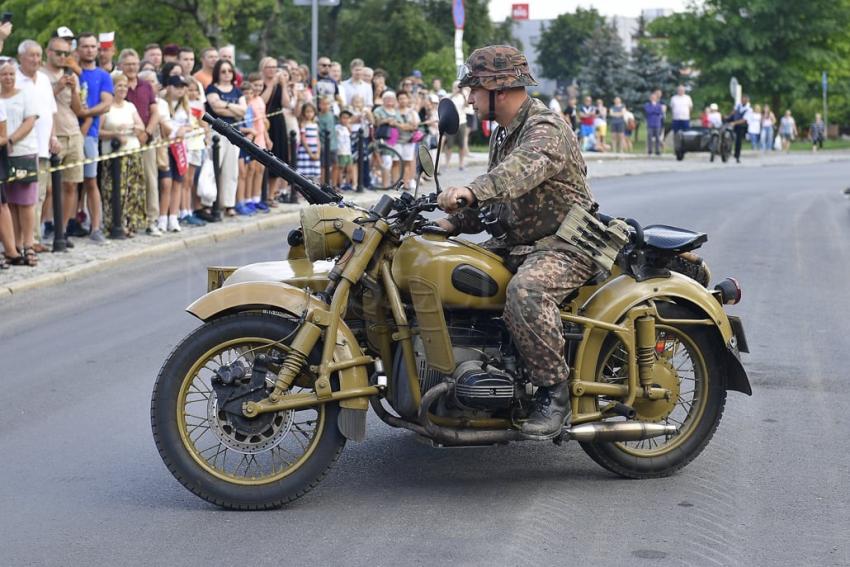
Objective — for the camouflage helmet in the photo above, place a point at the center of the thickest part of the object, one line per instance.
(496, 67)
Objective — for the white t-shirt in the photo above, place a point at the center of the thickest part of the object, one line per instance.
(361, 88)
(343, 140)
(45, 107)
(555, 105)
(715, 119)
(18, 108)
(681, 106)
(2, 113)
(754, 122)
(121, 118)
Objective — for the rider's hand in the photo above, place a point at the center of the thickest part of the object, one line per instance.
(448, 199)
(446, 225)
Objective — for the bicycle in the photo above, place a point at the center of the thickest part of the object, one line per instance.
(381, 147)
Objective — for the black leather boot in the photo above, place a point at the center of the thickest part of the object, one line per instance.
(551, 408)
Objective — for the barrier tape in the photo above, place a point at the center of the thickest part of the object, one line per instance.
(122, 153)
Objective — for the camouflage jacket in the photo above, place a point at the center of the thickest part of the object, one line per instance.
(536, 173)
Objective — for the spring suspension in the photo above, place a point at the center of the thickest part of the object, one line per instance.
(289, 370)
(645, 348)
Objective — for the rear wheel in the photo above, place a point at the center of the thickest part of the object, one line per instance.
(714, 146)
(689, 365)
(220, 455)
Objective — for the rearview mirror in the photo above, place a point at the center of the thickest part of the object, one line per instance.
(425, 161)
(449, 120)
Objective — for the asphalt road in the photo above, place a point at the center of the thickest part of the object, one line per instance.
(81, 482)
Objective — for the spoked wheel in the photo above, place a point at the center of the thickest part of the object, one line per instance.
(687, 364)
(726, 148)
(210, 447)
(383, 149)
(714, 146)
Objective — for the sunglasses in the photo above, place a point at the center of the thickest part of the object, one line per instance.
(61, 53)
(324, 64)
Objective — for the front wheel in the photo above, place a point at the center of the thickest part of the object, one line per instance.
(214, 451)
(687, 362)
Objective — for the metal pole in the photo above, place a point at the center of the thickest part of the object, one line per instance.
(825, 108)
(264, 186)
(117, 230)
(293, 161)
(314, 48)
(216, 151)
(325, 157)
(361, 149)
(59, 244)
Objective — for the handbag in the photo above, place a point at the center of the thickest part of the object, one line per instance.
(206, 188)
(178, 152)
(417, 136)
(23, 169)
(383, 131)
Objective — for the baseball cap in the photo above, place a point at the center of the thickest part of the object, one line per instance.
(713, 106)
(64, 33)
(175, 81)
(417, 73)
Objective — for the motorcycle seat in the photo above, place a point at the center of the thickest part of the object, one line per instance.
(664, 237)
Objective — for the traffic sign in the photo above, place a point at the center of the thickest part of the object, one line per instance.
(458, 13)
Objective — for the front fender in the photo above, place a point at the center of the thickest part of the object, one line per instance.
(253, 295)
(613, 300)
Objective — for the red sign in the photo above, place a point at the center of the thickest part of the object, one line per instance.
(519, 11)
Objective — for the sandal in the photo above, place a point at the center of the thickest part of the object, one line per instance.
(18, 260)
(40, 248)
(30, 257)
(230, 212)
(4, 265)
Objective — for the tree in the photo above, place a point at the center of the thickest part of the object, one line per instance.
(562, 49)
(648, 70)
(604, 73)
(776, 48)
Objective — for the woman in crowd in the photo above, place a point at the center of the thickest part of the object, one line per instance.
(788, 130)
(123, 123)
(768, 122)
(379, 87)
(309, 148)
(388, 114)
(175, 125)
(277, 95)
(225, 101)
(754, 126)
(21, 143)
(617, 121)
(196, 144)
(406, 147)
(817, 132)
(7, 233)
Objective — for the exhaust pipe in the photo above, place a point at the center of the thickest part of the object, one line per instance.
(620, 431)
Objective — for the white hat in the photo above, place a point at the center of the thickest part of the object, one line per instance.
(713, 106)
(64, 33)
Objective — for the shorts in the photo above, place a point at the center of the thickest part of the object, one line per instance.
(72, 152)
(196, 157)
(343, 160)
(171, 172)
(587, 130)
(91, 149)
(22, 194)
(618, 127)
(457, 140)
(406, 151)
(387, 160)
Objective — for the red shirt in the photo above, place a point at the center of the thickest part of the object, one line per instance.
(142, 98)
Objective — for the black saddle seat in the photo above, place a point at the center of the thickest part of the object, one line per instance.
(672, 238)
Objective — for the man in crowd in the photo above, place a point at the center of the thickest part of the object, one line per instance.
(654, 112)
(186, 59)
(141, 94)
(30, 79)
(209, 57)
(5, 32)
(106, 51)
(98, 86)
(739, 119)
(356, 85)
(681, 106)
(325, 85)
(69, 109)
(153, 53)
(170, 53)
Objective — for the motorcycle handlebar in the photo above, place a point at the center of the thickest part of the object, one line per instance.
(314, 194)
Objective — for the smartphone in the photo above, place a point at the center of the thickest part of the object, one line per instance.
(7, 17)
(68, 72)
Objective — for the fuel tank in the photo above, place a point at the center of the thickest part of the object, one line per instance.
(464, 275)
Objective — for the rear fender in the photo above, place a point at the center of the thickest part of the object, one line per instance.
(613, 300)
(249, 296)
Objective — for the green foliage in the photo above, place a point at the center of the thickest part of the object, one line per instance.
(604, 72)
(438, 65)
(562, 48)
(648, 70)
(776, 48)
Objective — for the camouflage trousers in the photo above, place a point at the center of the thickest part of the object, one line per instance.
(540, 285)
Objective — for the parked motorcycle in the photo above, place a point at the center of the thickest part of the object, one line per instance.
(381, 308)
(716, 141)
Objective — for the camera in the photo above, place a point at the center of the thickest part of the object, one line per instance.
(6, 17)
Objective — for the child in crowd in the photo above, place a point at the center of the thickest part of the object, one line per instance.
(343, 152)
(250, 172)
(309, 147)
(196, 144)
(327, 125)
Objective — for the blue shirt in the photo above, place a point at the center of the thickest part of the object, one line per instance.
(232, 97)
(95, 81)
(654, 113)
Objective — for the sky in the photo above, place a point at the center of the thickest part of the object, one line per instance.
(547, 9)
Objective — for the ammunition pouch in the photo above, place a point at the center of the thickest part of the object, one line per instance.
(587, 234)
(495, 218)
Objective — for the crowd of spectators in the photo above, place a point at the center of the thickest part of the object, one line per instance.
(82, 99)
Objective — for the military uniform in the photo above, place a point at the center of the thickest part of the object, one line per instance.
(534, 176)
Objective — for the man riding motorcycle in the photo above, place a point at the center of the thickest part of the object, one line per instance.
(534, 176)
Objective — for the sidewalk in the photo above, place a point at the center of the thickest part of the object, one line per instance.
(87, 257)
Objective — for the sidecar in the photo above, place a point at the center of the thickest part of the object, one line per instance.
(717, 141)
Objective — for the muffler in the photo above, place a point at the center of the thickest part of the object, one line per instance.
(619, 431)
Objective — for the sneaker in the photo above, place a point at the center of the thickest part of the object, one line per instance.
(204, 215)
(76, 229)
(48, 231)
(262, 207)
(251, 206)
(192, 220)
(98, 237)
(241, 209)
(68, 242)
(153, 230)
(173, 224)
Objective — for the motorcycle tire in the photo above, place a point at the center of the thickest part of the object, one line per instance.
(173, 431)
(630, 460)
(713, 148)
